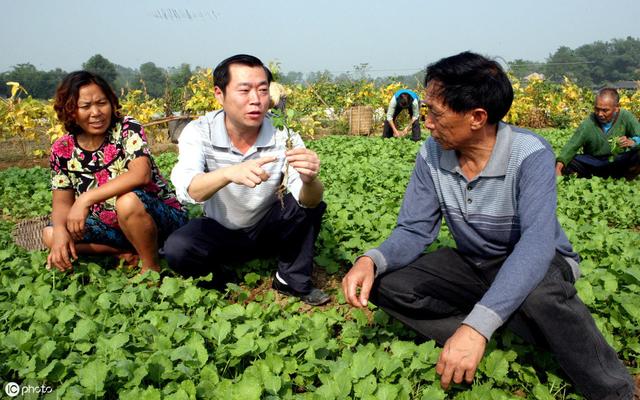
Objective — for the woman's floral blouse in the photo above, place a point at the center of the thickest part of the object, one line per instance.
(72, 167)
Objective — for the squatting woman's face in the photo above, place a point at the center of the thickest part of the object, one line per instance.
(93, 112)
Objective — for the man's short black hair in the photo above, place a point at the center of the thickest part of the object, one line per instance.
(609, 92)
(404, 100)
(468, 80)
(221, 76)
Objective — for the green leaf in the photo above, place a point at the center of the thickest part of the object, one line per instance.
(185, 353)
(402, 350)
(428, 351)
(362, 363)
(170, 286)
(251, 279)
(191, 296)
(335, 388)
(16, 339)
(43, 374)
(495, 365)
(585, 291)
(272, 383)
(93, 375)
(243, 346)
(390, 366)
(117, 341)
(128, 300)
(84, 330)
(105, 300)
(232, 312)
(189, 388)
(66, 313)
(247, 389)
(84, 347)
(47, 348)
(196, 344)
(365, 386)
(541, 392)
(433, 392)
(150, 393)
(220, 330)
(387, 391)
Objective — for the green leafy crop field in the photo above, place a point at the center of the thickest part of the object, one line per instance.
(102, 332)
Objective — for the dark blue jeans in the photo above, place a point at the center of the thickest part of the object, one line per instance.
(387, 132)
(203, 245)
(433, 294)
(624, 165)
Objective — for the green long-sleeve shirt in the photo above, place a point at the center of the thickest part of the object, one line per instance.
(594, 141)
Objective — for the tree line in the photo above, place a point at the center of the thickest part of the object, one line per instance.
(591, 65)
(156, 81)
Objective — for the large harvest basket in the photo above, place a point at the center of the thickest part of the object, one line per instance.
(28, 233)
(360, 120)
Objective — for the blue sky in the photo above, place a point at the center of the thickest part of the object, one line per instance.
(302, 35)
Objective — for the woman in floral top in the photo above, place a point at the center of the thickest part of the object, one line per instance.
(108, 194)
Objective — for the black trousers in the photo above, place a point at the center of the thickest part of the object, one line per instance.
(387, 132)
(203, 245)
(624, 165)
(433, 295)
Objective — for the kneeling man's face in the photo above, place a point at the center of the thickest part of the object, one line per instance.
(246, 98)
(605, 109)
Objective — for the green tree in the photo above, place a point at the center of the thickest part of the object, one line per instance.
(39, 84)
(126, 79)
(179, 76)
(153, 78)
(521, 68)
(566, 62)
(597, 63)
(175, 96)
(103, 67)
(292, 77)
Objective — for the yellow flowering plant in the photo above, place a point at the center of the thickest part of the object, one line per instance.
(28, 119)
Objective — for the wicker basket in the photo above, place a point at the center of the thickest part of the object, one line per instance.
(360, 120)
(28, 233)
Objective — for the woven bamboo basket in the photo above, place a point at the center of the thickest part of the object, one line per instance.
(28, 233)
(360, 120)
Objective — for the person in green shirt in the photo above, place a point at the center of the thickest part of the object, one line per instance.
(609, 140)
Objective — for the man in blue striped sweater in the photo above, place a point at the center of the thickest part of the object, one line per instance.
(495, 186)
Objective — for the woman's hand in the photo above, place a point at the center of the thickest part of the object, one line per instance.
(77, 217)
(63, 250)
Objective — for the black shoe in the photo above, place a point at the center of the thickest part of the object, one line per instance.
(315, 297)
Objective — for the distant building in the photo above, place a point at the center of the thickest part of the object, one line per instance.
(534, 76)
(625, 85)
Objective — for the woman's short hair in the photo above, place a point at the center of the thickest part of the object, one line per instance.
(67, 93)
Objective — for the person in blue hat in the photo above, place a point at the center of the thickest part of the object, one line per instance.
(403, 100)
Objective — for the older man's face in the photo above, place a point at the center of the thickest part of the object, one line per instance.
(450, 129)
(605, 109)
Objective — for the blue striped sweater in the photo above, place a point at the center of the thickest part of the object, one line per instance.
(507, 210)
